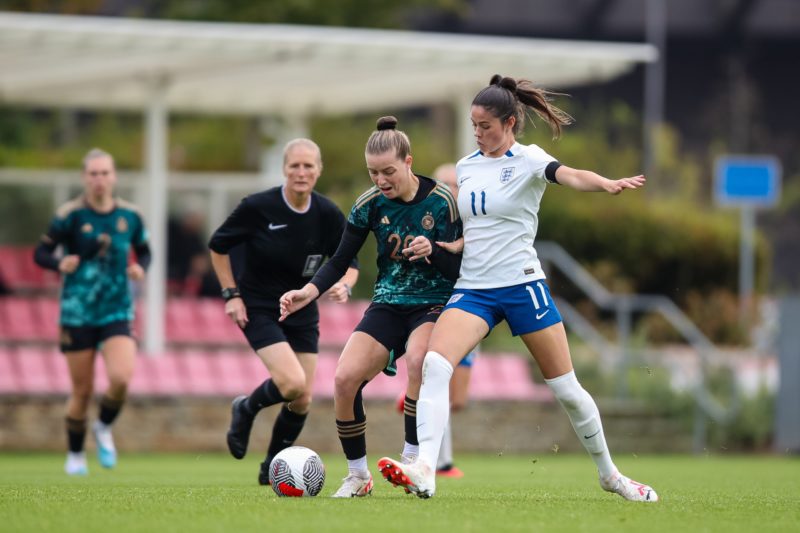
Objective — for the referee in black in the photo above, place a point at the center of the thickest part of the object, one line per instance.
(287, 232)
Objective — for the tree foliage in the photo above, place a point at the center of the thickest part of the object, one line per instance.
(347, 13)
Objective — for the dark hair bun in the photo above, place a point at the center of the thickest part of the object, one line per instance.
(387, 123)
(509, 83)
(495, 79)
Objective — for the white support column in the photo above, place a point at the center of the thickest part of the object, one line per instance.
(465, 137)
(654, 83)
(747, 262)
(155, 161)
(282, 129)
(60, 194)
(217, 206)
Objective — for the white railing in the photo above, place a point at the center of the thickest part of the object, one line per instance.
(620, 355)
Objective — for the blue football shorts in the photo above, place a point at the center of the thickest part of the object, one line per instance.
(527, 307)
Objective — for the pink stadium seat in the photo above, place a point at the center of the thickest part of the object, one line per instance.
(48, 313)
(218, 328)
(21, 273)
(26, 319)
(323, 377)
(159, 375)
(253, 370)
(230, 373)
(144, 377)
(9, 266)
(181, 325)
(8, 373)
(337, 321)
(505, 377)
(5, 321)
(38, 370)
(199, 373)
(21, 319)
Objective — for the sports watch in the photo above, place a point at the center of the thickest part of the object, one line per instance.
(230, 293)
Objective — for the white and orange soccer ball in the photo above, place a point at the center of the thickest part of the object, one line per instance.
(297, 471)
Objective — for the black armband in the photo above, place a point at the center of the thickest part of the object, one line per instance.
(550, 171)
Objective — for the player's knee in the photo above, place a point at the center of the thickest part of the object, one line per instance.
(117, 387)
(302, 404)
(292, 387)
(414, 366)
(346, 383)
(81, 397)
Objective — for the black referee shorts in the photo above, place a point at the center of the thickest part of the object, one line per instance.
(391, 325)
(263, 329)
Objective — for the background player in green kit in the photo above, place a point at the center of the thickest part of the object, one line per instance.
(97, 232)
(408, 214)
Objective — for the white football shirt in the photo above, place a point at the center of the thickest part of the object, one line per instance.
(498, 199)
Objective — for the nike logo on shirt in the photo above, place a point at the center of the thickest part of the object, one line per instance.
(539, 316)
(276, 226)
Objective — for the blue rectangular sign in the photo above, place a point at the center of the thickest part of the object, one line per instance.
(744, 180)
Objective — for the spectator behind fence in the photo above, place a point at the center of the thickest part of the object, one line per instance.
(187, 255)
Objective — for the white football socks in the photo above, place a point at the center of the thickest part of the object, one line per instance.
(585, 418)
(410, 450)
(446, 451)
(433, 406)
(358, 467)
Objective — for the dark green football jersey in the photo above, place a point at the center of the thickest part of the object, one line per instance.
(98, 292)
(395, 224)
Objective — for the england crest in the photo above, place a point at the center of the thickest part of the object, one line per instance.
(506, 174)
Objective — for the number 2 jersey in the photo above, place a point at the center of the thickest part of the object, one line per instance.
(98, 292)
(431, 213)
(498, 199)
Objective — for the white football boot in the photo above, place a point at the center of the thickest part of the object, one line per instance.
(416, 477)
(106, 451)
(354, 486)
(628, 488)
(76, 464)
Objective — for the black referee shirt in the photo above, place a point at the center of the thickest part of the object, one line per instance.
(283, 248)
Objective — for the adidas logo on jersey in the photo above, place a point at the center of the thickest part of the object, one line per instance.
(385, 220)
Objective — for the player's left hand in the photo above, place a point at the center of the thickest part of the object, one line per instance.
(339, 293)
(617, 186)
(419, 248)
(135, 272)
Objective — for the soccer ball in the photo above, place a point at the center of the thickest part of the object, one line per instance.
(297, 471)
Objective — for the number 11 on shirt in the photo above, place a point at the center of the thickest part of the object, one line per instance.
(483, 203)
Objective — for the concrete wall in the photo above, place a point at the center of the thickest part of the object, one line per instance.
(199, 424)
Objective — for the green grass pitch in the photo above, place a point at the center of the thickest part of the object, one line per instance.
(544, 492)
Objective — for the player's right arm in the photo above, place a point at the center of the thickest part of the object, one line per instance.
(236, 229)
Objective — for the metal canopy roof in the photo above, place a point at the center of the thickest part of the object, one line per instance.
(112, 63)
